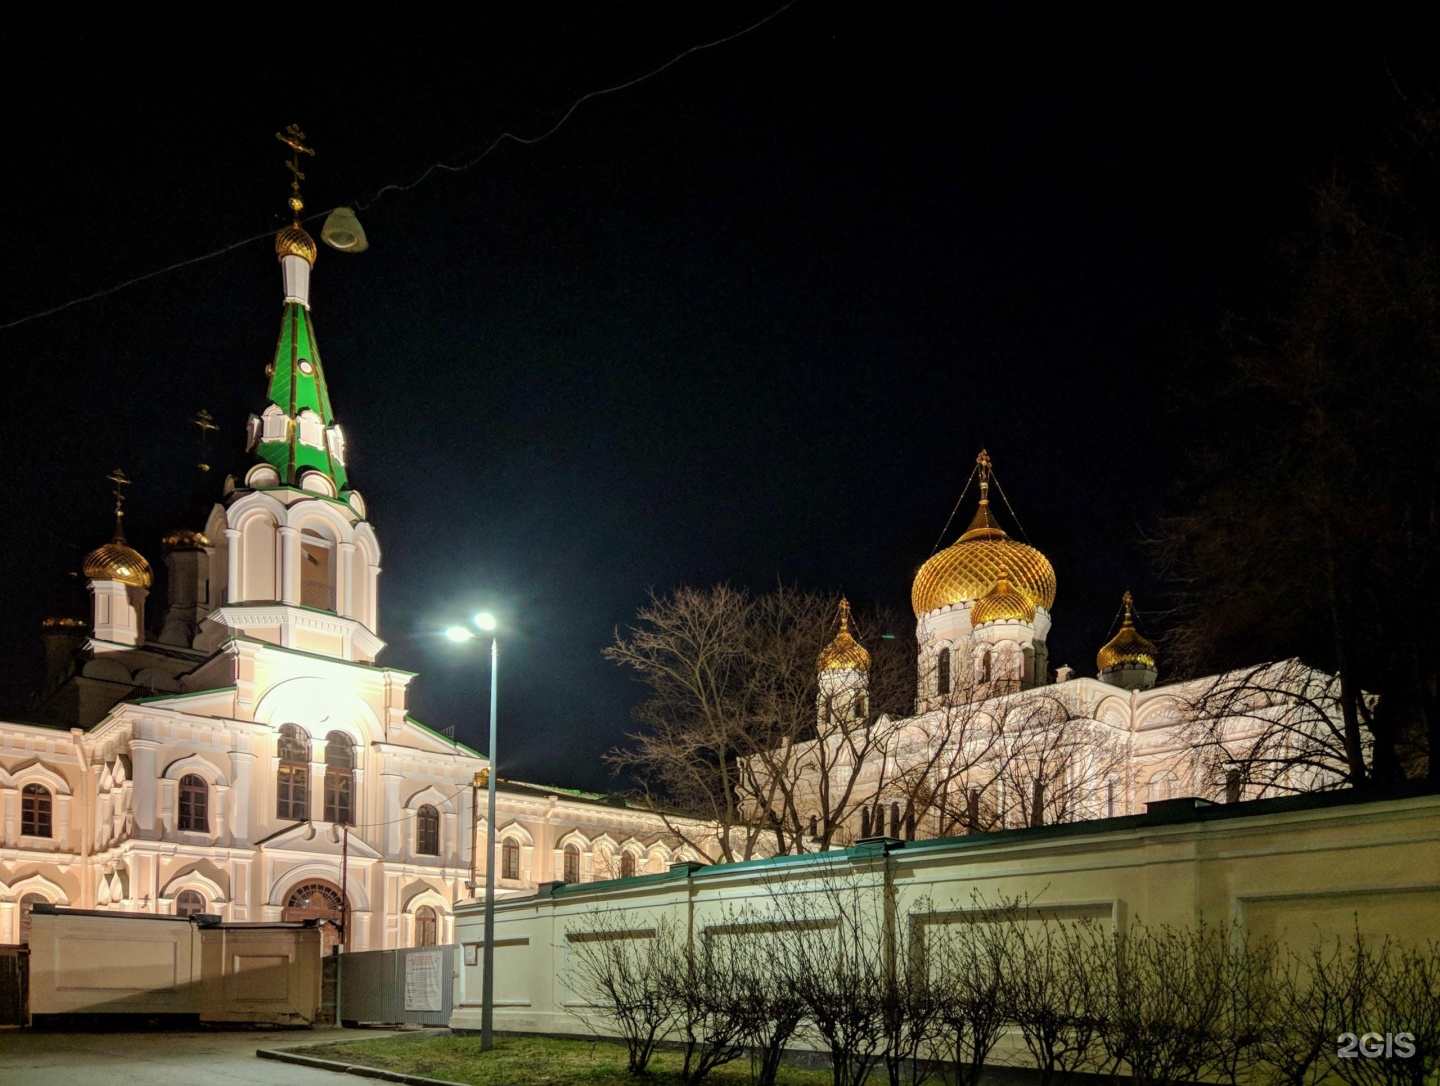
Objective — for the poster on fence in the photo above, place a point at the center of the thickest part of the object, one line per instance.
(423, 980)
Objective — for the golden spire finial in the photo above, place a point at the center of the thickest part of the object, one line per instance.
(844, 615)
(206, 422)
(294, 139)
(1129, 601)
(121, 480)
(983, 463)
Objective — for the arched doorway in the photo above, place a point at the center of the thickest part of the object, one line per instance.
(318, 899)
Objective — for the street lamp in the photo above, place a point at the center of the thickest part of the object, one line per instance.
(485, 622)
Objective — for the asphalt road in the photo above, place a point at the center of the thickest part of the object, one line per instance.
(159, 1059)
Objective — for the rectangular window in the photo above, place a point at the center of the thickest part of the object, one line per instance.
(292, 788)
(337, 796)
(35, 812)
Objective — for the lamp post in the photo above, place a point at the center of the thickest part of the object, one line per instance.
(486, 622)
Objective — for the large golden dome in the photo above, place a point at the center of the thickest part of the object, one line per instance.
(1003, 603)
(844, 652)
(1129, 647)
(117, 561)
(967, 570)
(294, 241)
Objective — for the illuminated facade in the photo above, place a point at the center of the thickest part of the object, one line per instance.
(214, 763)
(995, 741)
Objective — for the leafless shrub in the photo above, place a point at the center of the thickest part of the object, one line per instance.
(1183, 1004)
(970, 960)
(623, 975)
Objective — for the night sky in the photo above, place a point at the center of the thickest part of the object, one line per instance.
(750, 319)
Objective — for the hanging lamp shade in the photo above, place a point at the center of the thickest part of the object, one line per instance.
(342, 230)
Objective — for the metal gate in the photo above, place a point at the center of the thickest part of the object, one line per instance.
(414, 985)
(14, 980)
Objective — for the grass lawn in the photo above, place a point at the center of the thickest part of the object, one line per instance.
(533, 1061)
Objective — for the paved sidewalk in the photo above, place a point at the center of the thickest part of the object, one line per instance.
(160, 1059)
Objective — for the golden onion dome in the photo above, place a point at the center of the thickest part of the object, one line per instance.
(294, 241)
(967, 570)
(1002, 604)
(1129, 647)
(186, 539)
(844, 652)
(117, 561)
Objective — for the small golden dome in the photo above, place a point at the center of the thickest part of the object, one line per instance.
(294, 241)
(1002, 604)
(117, 561)
(186, 539)
(844, 652)
(967, 570)
(61, 623)
(1129, 647)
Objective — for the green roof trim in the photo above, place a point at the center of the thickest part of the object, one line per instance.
(297, 383)
(445, 738)
(177, 697)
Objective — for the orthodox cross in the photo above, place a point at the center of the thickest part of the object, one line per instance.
(121, 481)
(206, 422)
(294, 139)
(983, 462)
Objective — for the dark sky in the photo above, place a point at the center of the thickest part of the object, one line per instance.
(750, 319)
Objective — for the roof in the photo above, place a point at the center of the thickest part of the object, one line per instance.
(297, 383)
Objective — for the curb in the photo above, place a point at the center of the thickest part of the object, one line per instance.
(290, 1055)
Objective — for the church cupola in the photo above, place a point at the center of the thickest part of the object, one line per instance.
(1128, 658)
(292, 559)
(1003, 621)
(843, 666)
(951, 586)
(119, 579)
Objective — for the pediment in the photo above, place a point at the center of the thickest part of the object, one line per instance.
(316, 839)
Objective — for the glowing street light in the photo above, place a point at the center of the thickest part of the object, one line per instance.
(485, 622)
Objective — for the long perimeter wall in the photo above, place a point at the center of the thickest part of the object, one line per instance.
(1296, 869)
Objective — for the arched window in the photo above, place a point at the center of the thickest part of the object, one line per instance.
(318, 900)
(427, 831)
(189, 902)
(35, 808)
(627, 865)
(942, 671)
(27, 905)
(1163, 785)
(426, 926)
(317, 570)
(292, 778)
(510, 859)
(339, 778)
(194, 812)
(572, 864)
(857, 707)
(982, 673)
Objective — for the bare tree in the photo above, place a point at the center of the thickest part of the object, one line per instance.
(622, 975)
(970, 956)
(1057, 986)
(734, 703)
(1310, 527)
(1276, 728)
(1183, 1004)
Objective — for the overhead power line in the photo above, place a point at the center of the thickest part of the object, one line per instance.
(446, 167)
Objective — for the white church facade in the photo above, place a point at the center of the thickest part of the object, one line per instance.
(998, 740)
(246, 755)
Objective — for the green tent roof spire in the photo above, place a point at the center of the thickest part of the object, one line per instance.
(297, 433)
